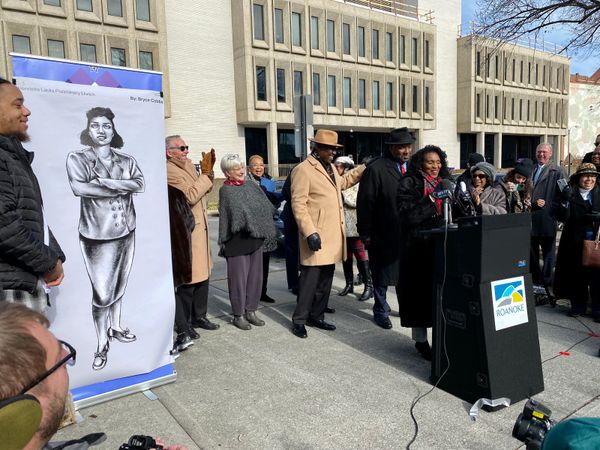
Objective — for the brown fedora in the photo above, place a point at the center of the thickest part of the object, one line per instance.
(326, 137)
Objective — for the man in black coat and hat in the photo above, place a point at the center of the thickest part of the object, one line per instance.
(378, 220)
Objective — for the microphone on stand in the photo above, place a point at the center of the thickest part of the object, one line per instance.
(444, 192)
(465, 197)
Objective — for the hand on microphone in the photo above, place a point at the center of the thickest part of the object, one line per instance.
(314, 242)
(565, 194)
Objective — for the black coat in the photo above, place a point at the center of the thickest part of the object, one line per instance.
(542, 222)
(182, 223)
(417, 262)
(377, 218)
(578, 223)
(23, 255)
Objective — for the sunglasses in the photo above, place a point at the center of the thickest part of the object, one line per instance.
(69, 359)
(181, 148)
(479, 175)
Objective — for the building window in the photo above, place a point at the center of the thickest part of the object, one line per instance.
(535, 112)
(427, 56)
(261, 83)
(296, 29)
(496, 103)
(521, 110)
(21, 44)
(544, 76)
(521, 72)
(331, 97)
(361, 42)
(117, 57)
(346, 38)
(52, 2)
(389, 46)
(402, 49)
(297, 82)
(487, 106)
(415, 98)
(375, 44)
(512, 109)
(87, 52)
(259, 22)
(389, 96)
(56, 49)
(528, 109)
(375, 94)
(529, 73)
(478, 64)
(496, 66)
(281, 85)
(316, 88)
(84, 5)
(142, 10)
(362, 94)
(279, 25)
(314, 32)
(415, 51)
(514, 70)
(403, 97)
(330, 36)
(477, 105)
(543, 112)
(115, 8)
(427, 109)
(146, 60)
(347, 92)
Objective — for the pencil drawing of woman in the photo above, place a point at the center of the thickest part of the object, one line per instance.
(105, 180)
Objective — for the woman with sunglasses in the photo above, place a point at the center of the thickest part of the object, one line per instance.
(487, 198)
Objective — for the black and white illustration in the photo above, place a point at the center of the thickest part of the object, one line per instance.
(105, 178)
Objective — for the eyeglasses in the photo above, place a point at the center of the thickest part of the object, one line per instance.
(181, 148)
(69, 359)
(232, 156)
(481, 176)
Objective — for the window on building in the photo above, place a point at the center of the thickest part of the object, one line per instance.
(478, 105)
(402, 49)
(362, 51)
(316, 88)
(146, 60)
(259, 22)
(389, 96)
(330, 36)
(362, 94)
(389, 46)
(347, 92)
(87, 52)
(403, 97)
(496, 67)
(375, 95)
(521, 109)
(529, 73)
(85, 5)
(478, 64)
(331, 94)
(544, 76)
(298, 90)
(512, 109)
(114, 8)
(535, 112)
(427, 62)
(56, 49)
(543, 112)
(415, 51)
(280, 76)
(117, 56)
(261, 83)
(278, 25)
(528, 109)
(415, 98)
(521, 72)
(296, 29)
(536, 73)
(142, 10)
(375, 44)
(21, 44)
(346, 38)
(514, 70)
(496, 103)
(487, 106)
(52, 2)
(314, 32)
(427, 100)
(505, 69)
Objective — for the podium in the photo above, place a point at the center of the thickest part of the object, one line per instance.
(485, 337)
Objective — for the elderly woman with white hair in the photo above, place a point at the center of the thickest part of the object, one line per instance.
(245, 226)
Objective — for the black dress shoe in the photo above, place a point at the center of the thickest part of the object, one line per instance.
(299, 330)
(384, 323)
(329, 310)
(424, 349)
(192, 333)
(294, 290)
(320, 324)
(205, 324)
(266, 299)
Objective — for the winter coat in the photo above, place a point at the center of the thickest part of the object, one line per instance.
(492, 201)
(182, 223)
(516, 201)
(542, 222)
(317, 207)
(23, 255)
(349, 199)
(182, 175)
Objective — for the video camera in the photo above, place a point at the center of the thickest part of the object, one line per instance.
(533, 424)
(138, 442)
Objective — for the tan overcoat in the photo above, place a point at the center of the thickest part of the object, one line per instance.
(182, 175)
(318, 208)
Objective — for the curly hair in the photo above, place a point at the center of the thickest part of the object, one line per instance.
(416, 161)
(98, 111)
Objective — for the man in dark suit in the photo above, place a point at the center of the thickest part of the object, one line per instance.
(378, 221)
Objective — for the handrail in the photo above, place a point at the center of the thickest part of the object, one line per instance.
(395, 7)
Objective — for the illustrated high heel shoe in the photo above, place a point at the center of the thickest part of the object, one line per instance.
(100, 358)
(122, 336)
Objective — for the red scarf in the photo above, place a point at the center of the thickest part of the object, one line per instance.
(233, 182)
(430, 185)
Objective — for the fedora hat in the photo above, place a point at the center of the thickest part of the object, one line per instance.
(400, 136)
(584, 169)
(326, 137)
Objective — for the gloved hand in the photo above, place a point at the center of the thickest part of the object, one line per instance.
(366, 240)
(444, 193)
(208, 162)
(314, 242)
(565, 194)
(369, 160)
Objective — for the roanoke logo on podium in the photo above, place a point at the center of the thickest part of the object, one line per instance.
(510, 302)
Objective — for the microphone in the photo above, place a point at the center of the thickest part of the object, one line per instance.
(445, 191)
(465, 197)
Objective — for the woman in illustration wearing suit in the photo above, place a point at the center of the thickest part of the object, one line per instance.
(105, 180)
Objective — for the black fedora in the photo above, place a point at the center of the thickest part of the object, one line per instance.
(400, 136)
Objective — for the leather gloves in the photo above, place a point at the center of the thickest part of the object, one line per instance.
(314, 242)
(208, 162)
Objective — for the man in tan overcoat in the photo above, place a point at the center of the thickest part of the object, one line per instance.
(191, 299)
(318, 210)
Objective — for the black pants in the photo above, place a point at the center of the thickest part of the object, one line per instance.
(266, 257)
(313, 295)
(291, 252)
(543, 275)
(191, 303)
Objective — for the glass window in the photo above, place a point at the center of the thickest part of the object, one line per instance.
(56, 49)
(477, 105)
(427, 100)
(496, 67)
(259, 23)
(146, 60)
(115, 8)
(389, 96)
(346, 38)
(281, 85)
(261, 83)
(52, 2)
(415, 51)
(279, 25)
(403, 97)
(375, 93)
(362, 94)
(361, 42)
(415, 98)
(142, 10)
(330, 36)
(477, 64)
(298, 82)
(316, 88)
(84, 5)
(117, 57)
(375, 44)
(21, 44)
(389, 46)
(296, 29)
(314, 32)
(402, 49)
(496, 102)
(427, 56)
(331, 94)
(87, 52)
(347, 92)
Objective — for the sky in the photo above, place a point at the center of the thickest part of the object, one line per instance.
(583, 65)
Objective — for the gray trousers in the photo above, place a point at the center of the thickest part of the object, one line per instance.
(244, 279)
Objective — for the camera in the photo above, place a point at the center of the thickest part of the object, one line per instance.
(138, 442)
(533, 424)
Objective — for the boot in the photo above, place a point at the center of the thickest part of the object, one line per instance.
(363, 267)
(349, 288)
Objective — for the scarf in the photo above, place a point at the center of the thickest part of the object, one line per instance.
(430, 184)
(233, 182)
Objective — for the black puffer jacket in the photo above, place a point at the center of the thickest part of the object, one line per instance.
(23, 255)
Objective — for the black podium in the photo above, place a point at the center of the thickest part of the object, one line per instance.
(484, 310)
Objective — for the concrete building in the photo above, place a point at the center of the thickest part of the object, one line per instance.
(584, 115)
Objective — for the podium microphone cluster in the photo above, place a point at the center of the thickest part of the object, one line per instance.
(444, 191)
(465, 200)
